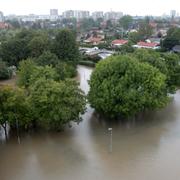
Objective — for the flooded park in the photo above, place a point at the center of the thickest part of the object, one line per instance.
(143, 149)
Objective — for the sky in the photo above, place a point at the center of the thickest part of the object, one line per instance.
(132, 7)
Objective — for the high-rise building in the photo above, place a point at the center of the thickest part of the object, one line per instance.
(76, 14)
(113, 15)
(173, 14)
(97, 14)
(1, 17)
(53, 12)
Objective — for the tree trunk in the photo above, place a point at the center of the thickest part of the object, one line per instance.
(5, 130)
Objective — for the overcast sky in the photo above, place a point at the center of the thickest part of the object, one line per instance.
(132, 7)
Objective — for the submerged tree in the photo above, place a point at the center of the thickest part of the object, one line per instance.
(121, 85)
(56, 104)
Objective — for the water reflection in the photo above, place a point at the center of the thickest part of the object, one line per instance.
(146, 148)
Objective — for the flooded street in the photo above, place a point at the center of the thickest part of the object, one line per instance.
(146, 149)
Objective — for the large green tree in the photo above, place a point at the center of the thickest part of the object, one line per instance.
(121, 85)
(126, 21)
(14, 109)
(47, 58)
(25, 71)
(172, 38)
(39, 44)
(56, 104)
(65, 46)
(167, 63)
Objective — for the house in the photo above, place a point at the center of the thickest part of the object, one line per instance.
(147, 45)
(118, 42)
(4, 25)
(176, 49)
(94, 40)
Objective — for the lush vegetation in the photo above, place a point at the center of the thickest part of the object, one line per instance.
(5, 72)
(172, 38)
(46, 96)
(128, 84)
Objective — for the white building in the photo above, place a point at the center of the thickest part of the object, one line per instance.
(97, 14)
(113, 15)
(76, 14)
(1, 17)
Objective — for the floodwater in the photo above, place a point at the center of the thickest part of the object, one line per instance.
(145, 149)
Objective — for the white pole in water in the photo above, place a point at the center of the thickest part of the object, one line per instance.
(110, 142)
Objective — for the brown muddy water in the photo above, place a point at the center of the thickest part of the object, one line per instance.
(146, 149)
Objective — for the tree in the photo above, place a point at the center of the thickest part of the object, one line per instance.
(43, 72)
(87, 24)
(65, 46)
(167, 63)
(65, 70)
(121, 85)
(145, 30)
(173, 65)
(56, 104)
(14, 50)
(26, 69)
(126, 48)
(47, 58)
(126, 21)
(153, 58)
(38, 45)
(13, 108)
(172, 38)
(5, 93)
(5, 72)
(134, 37)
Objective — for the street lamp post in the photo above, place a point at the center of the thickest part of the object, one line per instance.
(110, 140)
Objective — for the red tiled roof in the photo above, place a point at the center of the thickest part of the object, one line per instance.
(119, 41)
(146, 44)
(3, 25)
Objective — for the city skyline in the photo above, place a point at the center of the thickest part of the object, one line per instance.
(138, 7)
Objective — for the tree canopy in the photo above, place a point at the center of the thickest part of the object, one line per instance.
(172, 38)
(65, 46)
(121, 85)
(56, 104)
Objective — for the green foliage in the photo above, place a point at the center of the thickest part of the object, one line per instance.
(126, 21)
(5, 72)
(47, 58)
(126, 48)
(145, 30)
(14, 50)
(65, 70)
(167, 63)
(38, 45)
(26, 69)
(40, 72)
(65, 46)
(14, 107)
(172, 38)
(88, 23)
(134, 37)
(153, 58)
(56, 104)
(121, 85)
(173, 65)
